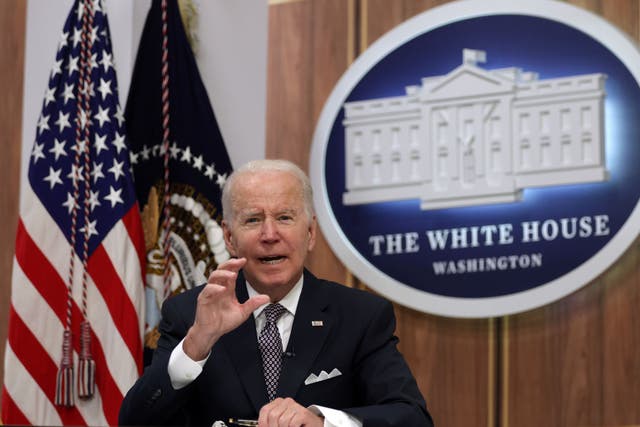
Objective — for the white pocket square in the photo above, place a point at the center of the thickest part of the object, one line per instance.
(313, 378)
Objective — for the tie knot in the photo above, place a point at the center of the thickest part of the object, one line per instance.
(273, 312)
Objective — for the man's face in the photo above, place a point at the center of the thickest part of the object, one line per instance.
(270, 228)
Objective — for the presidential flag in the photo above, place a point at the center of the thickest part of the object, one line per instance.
(75, 331)
(179, 161)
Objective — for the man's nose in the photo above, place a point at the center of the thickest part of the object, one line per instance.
(269, 230)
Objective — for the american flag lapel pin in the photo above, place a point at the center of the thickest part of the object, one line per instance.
(317, 323)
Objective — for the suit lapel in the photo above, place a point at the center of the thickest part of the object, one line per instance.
(242, 346)
(311, 327)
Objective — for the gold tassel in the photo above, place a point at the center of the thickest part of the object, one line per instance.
(189, 14)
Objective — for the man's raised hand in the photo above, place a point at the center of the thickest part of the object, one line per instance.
(218, 310)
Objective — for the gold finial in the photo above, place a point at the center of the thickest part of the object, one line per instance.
(189, 14)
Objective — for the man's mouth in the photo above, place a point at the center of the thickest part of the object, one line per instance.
(271, 260)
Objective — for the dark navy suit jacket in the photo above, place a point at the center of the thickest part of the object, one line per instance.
(356, 336)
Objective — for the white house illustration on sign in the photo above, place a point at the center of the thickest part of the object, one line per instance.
(475, 136)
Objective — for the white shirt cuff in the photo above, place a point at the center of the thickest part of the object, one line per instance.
(182, 369)
(335, 418)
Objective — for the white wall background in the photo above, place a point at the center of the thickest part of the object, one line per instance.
(232, 57)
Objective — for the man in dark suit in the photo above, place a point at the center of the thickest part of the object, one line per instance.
(220, 355)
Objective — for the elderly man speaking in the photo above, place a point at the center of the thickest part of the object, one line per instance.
(266, 343)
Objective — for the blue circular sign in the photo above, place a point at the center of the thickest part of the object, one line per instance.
(481, 158)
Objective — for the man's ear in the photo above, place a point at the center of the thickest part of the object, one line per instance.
(228, 239)
(313, 226)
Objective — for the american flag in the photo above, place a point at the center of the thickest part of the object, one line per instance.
(79, 244)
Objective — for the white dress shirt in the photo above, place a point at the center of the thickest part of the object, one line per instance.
(183, 370)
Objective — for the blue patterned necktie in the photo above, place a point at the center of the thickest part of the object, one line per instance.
(271, 348)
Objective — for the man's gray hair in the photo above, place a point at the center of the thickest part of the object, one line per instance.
(267, 165)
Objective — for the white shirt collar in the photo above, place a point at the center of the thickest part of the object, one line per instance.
(290, 301)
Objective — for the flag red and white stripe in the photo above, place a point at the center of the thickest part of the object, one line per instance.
(114, 291)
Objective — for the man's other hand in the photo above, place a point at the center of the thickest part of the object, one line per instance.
(287, 413)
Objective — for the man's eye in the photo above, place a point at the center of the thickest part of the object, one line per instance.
(285, 218)
(251, 220)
